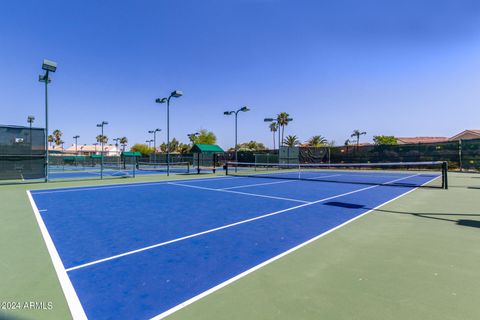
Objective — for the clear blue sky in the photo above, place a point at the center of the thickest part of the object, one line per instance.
(403, 68)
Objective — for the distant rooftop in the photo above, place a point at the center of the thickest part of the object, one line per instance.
(410, 140)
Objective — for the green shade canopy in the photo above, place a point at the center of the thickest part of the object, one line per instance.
(131, 154)
(73, 158)
(95, 156)
(206, 148)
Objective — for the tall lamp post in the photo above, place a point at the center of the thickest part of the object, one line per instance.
(48, 66)
(175, 94)
(101, 125)
(228, 113)
(149, 143)
(76, 140)
(155, 143)
(95, 144)
(30, 120)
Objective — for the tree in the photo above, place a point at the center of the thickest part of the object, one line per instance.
(123, 141)
(317, 141)
(57, 137)
(356, 134)
(250, 146)
(50, 139)
(273, 128)
(283, 120)
(378, 140)
(291, 141)
(102, 139)
(144, 149)
(347, 143)
(174, 143)
(204, 137)
(163, 147)
(183, 148)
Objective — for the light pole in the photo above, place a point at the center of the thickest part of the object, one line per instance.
(30, 120)
(149, 143)
(228, 113)
(175, 94)
(95, 144)
(48, 66)
(155, 143)
(101, 125)
(76, 140)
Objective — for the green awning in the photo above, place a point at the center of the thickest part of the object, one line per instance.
(131, 154)
(73, 158)
(206, 148)
(95, 156)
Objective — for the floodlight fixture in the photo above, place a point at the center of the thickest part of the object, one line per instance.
(176, 94)
(49, 65)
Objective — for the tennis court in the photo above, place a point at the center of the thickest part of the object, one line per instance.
(145, 250)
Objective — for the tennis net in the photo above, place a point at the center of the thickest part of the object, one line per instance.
(175, 167)
(408, 174)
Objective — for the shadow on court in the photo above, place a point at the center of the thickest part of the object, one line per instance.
(433, 216)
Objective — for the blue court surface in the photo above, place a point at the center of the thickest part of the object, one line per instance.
(94, 173)
(141, 251)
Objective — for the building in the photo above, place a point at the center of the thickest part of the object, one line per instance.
(413, 140)
(87, 150)
(466, 135)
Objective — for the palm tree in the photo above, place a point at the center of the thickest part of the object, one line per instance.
(102, 139)
(273, 128)
(282, 121)
(317, 141)
(291, 141)
(57, 136)
(123, 141)
(347, 143)
(50, 139)
(356, 134)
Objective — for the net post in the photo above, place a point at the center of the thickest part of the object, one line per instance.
(198, 163)
(445, 175)
(226, 168)
(188, 167)
(134, 165)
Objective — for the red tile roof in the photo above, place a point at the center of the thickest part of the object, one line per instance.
(405, 140)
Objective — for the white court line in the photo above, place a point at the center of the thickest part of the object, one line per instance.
(73, 302)
(115, 186)
(42, 210)
(222, 227)
(238, 192)
(277, 182)
(261, 265)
